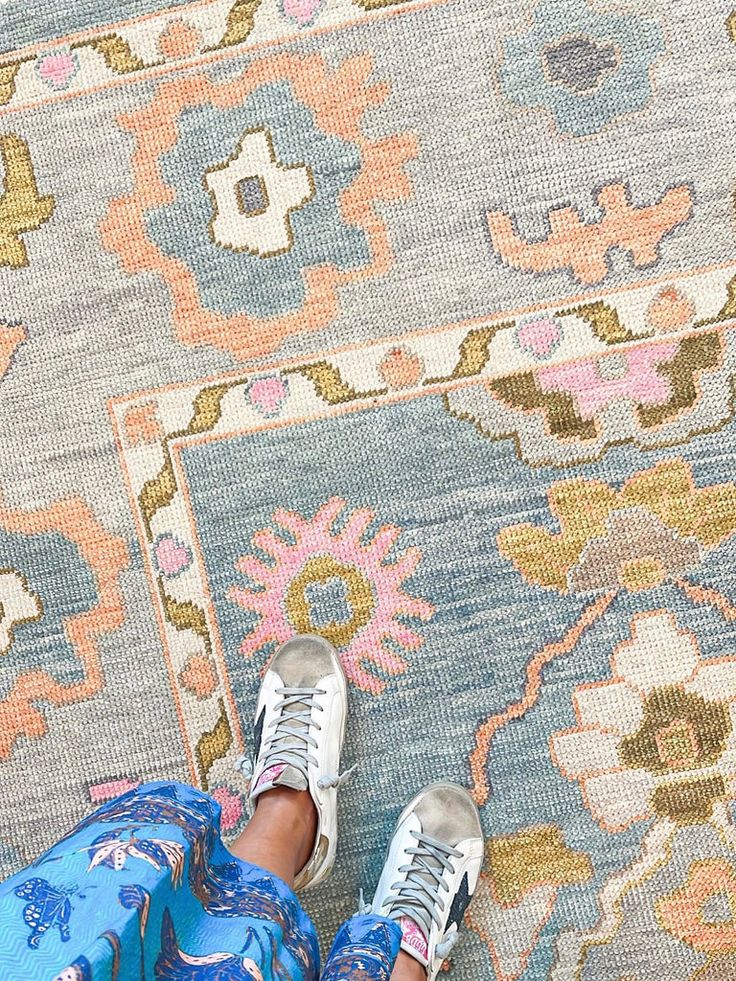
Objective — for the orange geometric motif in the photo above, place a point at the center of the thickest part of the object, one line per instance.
(583, 248)
(106, 555)
(338, 100)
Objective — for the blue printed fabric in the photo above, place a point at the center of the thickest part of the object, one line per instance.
(145, 889)
(365, 949)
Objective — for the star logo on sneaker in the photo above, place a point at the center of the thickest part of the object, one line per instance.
(459, 904)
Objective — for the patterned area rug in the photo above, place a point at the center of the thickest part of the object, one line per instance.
(410, 324)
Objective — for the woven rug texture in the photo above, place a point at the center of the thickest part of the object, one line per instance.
(411, 323)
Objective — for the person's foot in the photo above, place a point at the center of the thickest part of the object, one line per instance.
(298, 735)
(431, 871)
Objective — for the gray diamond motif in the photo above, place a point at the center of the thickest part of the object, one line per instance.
(252, 196)
(579, 63)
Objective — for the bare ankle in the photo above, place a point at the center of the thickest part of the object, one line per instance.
(293, 807)
(293, 813)
(407, 968)
(281, 833)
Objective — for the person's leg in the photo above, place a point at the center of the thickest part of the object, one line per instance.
(365, 949)
(430, 875)
(146, 883)
(300, 723)
(280, 836)
(428, 879)
(408, 969)
(123, 886)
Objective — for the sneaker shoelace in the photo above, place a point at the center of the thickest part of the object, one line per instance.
(291, 739)
(418, 896)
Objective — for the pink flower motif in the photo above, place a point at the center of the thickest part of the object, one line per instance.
(110, 789)
(302, 11)
(331, 583)
(267, 394)
(232, 807)
(172, 557)
(58, 69)
(595, 383)
(539, 336)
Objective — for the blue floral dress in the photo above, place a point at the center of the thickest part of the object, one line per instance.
(145, 889)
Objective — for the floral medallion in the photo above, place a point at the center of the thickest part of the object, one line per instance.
(658, 526)
(329, 581)
(585, 66)
(658, 738)
(655, 393)
(255, 197)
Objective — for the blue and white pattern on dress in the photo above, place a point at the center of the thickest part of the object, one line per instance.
(145, 889)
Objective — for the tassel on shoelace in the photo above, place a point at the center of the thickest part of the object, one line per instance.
(364, 908)
(443, 950)
(326, 782)
(245, 767)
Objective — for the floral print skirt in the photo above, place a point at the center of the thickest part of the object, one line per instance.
(145, 889)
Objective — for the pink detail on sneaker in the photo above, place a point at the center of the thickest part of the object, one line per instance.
(413, 937)
(270, 775)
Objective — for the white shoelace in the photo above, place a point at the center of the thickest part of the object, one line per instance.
(418, 896)
(291, 739)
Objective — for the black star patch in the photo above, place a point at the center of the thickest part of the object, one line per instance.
(258, 732)
(459, 904)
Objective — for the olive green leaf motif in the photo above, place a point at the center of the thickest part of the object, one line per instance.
(22, 208)
(239, 24)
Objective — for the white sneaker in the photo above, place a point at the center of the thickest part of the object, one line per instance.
(299, 729)
(431, 871)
